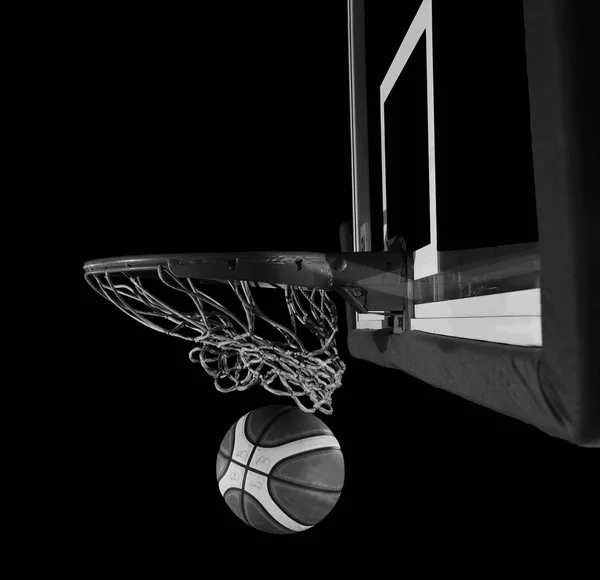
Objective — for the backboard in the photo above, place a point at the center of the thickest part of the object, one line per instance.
(441, 155)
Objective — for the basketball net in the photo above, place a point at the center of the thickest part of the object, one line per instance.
(227, 347)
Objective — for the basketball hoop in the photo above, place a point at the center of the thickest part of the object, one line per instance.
(228, 347)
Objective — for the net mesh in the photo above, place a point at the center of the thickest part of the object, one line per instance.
(229, 347)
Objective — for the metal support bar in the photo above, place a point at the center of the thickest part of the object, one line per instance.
(359, 133)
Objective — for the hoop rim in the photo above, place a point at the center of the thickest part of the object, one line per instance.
(310, 269)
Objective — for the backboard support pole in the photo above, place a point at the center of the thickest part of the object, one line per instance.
(359, 133)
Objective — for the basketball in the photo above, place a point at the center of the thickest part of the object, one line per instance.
(280, 470)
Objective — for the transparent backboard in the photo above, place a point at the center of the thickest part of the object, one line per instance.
(441, 152)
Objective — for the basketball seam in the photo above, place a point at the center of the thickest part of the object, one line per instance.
(224, 455)
(268, 516)
(302, 454)
(284, 409)
(316, 433)
(278, 504)
(304, 486)
(242, 516)
(260, 434)
(229, 462)
(287, 481)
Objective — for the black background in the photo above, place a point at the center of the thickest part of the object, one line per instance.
(224, 130)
